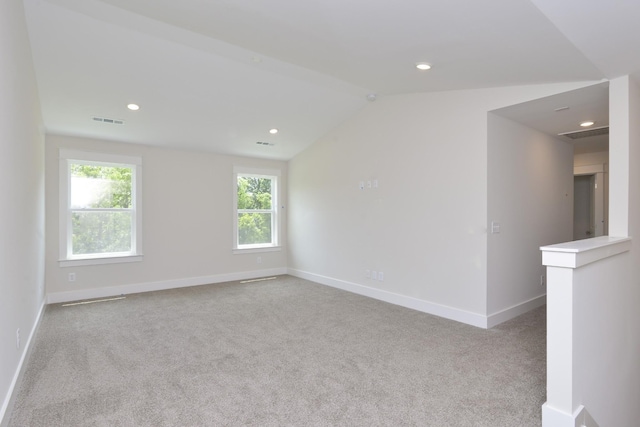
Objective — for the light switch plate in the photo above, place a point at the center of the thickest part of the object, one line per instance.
(495, 227)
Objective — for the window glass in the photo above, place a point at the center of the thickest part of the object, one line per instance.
(100, 216)
(256, 223)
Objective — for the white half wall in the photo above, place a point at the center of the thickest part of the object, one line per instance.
(584, 332)
(22, 189)
(608, 332)
(187, 225)
(530, 196)
(595, 306)
(423, 219)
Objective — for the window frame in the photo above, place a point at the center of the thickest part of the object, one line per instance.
(275, 176)
(67, 157)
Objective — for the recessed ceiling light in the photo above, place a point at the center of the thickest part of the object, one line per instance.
(423, 66)
(273, 131)
(587, 124)
(133, 107)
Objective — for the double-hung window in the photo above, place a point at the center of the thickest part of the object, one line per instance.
(256, 222)
(100, 215)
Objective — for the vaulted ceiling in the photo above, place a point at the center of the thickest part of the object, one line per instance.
(216, 75)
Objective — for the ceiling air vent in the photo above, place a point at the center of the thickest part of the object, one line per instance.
(268, 144)
(108, 120)
(604, 130)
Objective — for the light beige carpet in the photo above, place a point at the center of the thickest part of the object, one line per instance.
(285, 352)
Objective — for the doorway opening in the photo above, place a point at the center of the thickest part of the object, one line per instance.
(589, 200)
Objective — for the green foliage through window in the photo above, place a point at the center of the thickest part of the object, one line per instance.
(255, 210)
(101, 232)
(100, 186)
(101, 208)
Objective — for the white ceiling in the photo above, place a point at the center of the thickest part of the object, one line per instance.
(564, 112)
(216, 75)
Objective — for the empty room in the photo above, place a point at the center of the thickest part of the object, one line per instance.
(342, 213)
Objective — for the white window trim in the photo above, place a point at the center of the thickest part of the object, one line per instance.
(268, 173)
(66, 155)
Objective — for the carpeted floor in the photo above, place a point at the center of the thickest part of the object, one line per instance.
(283, 352)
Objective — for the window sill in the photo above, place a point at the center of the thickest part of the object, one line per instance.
(98, 261)
(257, 250)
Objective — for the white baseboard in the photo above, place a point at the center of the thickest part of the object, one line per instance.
(7, 405)
(440, 310)
(83, 294)
(515, 311)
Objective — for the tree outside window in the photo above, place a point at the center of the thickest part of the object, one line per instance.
(101, 209)
(100, 215)
(256, 212)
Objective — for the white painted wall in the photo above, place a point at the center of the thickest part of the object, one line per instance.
(530, 193)
(608, 298)
(22, 189)
(587, 159)
(425, 226)
(630, 340)
(187, 205)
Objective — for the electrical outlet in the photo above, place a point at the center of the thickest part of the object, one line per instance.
(374, 275)
(367, 274)
(18, 338)
(380, 276)
(72, 277)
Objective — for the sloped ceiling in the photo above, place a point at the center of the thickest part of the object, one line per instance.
(217, 75)
(564, 112)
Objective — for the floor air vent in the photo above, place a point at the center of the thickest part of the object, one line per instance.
(604, 130)
(71, 304)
